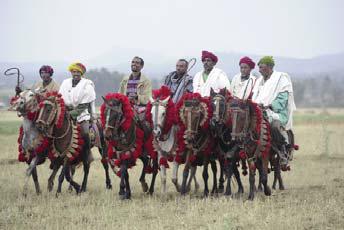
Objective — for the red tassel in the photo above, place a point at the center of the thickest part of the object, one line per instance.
(192, 158)
(242, 155)
(296, 147)
(163, 162)
(117, 162)
(252, 166)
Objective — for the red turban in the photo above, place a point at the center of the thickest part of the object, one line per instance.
(206, 54)
(247, 61)
(47, 69)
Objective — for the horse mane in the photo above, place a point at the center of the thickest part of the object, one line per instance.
(126, 108)
(61, 110)
(171, 111)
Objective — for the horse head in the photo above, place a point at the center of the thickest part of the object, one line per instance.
(194, 114)
(113, 118)
(241, 118)
(27, 102)
(51, 112)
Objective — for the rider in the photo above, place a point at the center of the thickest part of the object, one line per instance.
(46, 72)
(243, 83)
(210, 77)
(138, 88)
(179, 81)
(274, 91)
(79, 96)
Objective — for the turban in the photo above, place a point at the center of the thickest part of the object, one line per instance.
(78, 67)
(247, 61)
(206, 54)
(46, 68)
(268, 60)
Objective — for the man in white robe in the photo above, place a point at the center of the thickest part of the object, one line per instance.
(210, 77)
(242, 84)
(79, 96)
(274, 91)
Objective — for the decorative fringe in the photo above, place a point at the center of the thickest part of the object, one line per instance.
(163, 162)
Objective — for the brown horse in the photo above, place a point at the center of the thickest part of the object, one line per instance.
(221, 128)
(124, 137)
(67, 147)
(252, 134)
(194, 140)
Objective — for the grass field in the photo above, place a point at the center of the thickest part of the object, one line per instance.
(313, 199)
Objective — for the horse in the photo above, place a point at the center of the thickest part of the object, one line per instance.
(31, 143)
(221, 128)
(161, 113)
(251, 132)
(195, 145)
(67, 147)
(124, 137)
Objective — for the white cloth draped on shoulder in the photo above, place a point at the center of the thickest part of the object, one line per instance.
(242, 89)
(217, 80)
(265, 92)
(82, 93)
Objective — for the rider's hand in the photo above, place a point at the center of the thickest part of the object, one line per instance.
(18, 90)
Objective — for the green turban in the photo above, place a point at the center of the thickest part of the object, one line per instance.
(268, 60)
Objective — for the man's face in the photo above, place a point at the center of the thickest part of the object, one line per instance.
(265, 70)
(76, 74)
(136, 65)
(45, 76)
(181, 68)
(245, 69)
(208, 64)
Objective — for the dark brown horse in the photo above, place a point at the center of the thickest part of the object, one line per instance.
(251, 132)
(125, 140)
(221, 129)
(67, 147)
(195, 145)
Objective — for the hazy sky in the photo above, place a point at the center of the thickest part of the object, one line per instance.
(65, 30)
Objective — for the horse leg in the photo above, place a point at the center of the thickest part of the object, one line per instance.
(70, 187)
(205, 177)
(61, 178)
(175, 175)
(229, 173)
(155, 172)
(276, 168)
(35, 180)
(121, 185)
(125, 174)
(28, 173)
(56, 167)
(144, 184)
(252, 174)
(106, 169)
(75, 185)
(86, 165)
(237, 178)
(214, 169)
(183, 189)
(263, 171)
(193, 170)
(221, 179)
(278, 176)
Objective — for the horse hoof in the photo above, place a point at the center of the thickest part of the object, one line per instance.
(281, 187)
(274, 187)
(144, 186)
(220, 190)
(39, 192)
(260, 189)
(251, 197)
(267, 191)
(108, 186)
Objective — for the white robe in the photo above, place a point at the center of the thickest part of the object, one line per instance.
(242, 89)
(217, 79)
(265, 92)
(82, 93)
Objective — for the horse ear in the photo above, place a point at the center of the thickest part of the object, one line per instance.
(104, 99)
(212, 92)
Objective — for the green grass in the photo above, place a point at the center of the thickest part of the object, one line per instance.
(9, 127)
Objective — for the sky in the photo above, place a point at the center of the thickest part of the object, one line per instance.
(68, 30)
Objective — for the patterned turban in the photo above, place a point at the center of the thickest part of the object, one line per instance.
(46, 68)
(247, 61)
(78, 67)
(268, 60)
(206, 54)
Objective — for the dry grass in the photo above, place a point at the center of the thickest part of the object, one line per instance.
(314, 197)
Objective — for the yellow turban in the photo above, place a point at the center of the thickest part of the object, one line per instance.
(78, 67)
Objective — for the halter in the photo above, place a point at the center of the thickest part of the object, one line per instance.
(237, 108)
